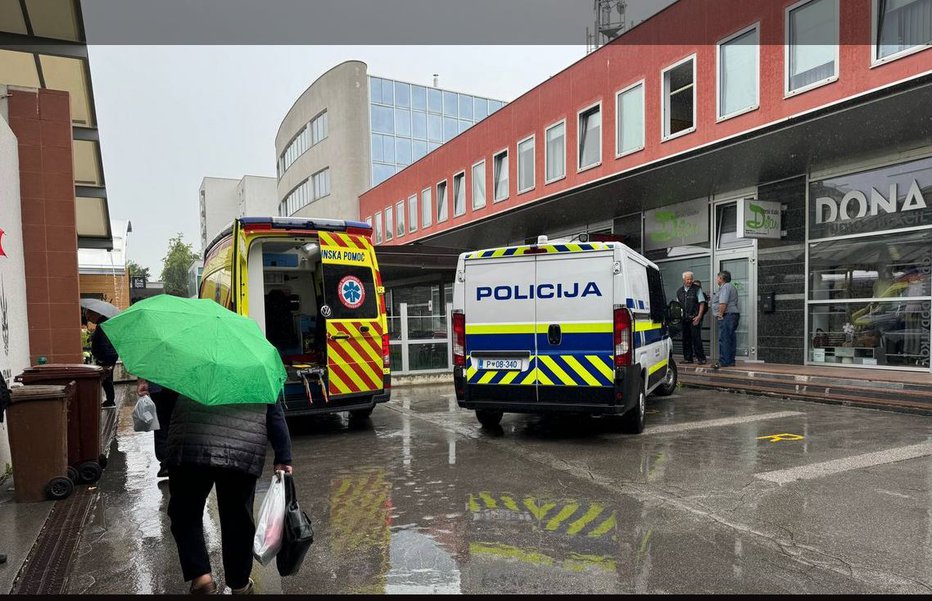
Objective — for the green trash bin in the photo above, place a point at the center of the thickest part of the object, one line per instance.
(38, 430)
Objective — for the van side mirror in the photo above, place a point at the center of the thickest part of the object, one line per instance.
(675, 317)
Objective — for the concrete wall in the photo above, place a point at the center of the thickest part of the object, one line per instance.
(14, 328)
(258, 196)
(343, 92)
(219, 205)
(41, 122)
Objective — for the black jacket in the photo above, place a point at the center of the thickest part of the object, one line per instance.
(227, 436)
(101, 347)
(689, 299)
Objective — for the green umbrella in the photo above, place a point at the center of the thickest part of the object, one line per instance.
(199, 349)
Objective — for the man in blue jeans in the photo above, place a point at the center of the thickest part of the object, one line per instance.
(728, 315)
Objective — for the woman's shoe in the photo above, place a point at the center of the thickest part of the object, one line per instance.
(210, 588)
(246, 590)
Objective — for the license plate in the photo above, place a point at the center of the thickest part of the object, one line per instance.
(502, 364)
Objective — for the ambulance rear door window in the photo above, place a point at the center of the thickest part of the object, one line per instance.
(349, 291)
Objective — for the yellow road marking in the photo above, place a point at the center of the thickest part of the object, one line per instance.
(603, 527)
(567, 512)
(538, 512)
(594, 510)
(780, 437)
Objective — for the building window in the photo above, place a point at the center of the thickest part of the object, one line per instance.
(442, 210)
(526, 165)
(378, 228)
(400, 216)
(629, 115)
(478, 185)
(812, 48)
(555, 152)
(459, 194)
(383, 119)
(500, 175)
(590, 137)
(389, 223)
(679, 98)
(426, 209)
(412, 212)
(319, 128)
(419, 98)
(738, 72)
(321, 183)
(402, 94)
(901, 27)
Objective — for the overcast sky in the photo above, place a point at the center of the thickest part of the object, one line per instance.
(171, 115)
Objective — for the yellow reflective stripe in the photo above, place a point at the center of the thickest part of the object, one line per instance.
(601, 327)
(531, 377)
(594, 511)
(601, 366)
(645, 325)
(509, 377)
(487, 377)
(603, 527)
(337, 385)
(557, 370)
(471, 371)
(656, 366)
(498, 328)
(567, 511)
(542, 378)
(579, 369)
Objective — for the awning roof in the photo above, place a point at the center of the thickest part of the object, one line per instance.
(42, 45)
(398, 263)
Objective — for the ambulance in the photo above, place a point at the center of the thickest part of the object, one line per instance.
(560, 326)
(314, 288)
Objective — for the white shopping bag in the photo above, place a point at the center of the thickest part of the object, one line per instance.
(145, 418)
(271, 522)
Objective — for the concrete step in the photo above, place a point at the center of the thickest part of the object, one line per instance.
(862, 379)
(863, 393)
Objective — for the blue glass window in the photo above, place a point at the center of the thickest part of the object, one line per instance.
(375, 89)
(464, 125)
(402, 122)
(480, 108)
(377, 154)
(420, 149)
(450, 128)
(403, 151)
(402, 94)
(494, 105)
(432, 146)
(434, 101)
(388, 149)
(382, 120)
(419, 98)
(381, 172)
(388, 96)
(449, 104)
(419, 125)
(434, 128)
(465, 107)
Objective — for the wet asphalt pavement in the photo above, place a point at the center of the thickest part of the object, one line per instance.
(420, 498)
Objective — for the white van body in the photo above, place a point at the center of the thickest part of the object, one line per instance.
(542, 328)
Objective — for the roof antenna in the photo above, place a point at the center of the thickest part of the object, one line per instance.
(436, 75)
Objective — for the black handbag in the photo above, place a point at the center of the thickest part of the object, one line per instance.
(297, 533)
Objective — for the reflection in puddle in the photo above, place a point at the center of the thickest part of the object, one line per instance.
(420, 565)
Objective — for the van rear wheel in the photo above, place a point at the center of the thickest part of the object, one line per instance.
(668, 386)
(361, 413)
(489, 418)
(633, 421)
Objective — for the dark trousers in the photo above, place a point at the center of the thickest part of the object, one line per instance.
(692, 341)
(189, 486)
(164, 406)
(107, 383)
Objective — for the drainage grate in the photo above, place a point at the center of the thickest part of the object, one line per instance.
(48, 566)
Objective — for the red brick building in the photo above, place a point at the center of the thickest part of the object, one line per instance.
(814, 112)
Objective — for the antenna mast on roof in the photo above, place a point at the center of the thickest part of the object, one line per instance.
(609, 23)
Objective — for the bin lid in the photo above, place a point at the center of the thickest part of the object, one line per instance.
(60, 370)
(22, 394)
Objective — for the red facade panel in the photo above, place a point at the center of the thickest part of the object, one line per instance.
(642, 54)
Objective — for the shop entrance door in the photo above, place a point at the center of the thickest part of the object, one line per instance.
(743, 276)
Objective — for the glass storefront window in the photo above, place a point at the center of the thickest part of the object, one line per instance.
(895, 265)
(882, 333)
(428, 356)
(726, 228)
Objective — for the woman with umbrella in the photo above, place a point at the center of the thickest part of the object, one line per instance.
(97, 312)
(228, 378)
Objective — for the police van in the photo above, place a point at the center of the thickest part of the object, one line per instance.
(314, 288)
(560, 326)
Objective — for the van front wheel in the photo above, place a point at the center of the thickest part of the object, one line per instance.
(489, 418)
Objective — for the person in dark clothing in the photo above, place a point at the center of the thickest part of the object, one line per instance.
(222, 446)
(105, 355)
(691, 297)
(164, 400)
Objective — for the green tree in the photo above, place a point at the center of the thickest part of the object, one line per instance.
(175, 265)
(136, 270)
